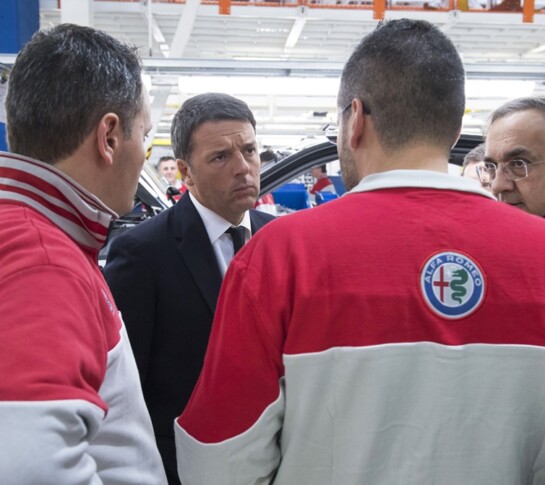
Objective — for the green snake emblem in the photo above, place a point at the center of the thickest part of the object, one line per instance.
(457, 284)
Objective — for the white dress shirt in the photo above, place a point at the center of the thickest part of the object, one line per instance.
(215, 227)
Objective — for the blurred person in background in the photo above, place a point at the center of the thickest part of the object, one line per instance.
(323, 182)
(381, 338)
(71, 408)
(168, 170)
(473, 163)
(266, 202)
(515, 154)
(267, 156)
(166, 273)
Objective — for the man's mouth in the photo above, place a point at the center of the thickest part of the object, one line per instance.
(244, 188)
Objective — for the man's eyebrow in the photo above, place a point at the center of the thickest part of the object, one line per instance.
(217, 151)
(517, 152)
(513, 153)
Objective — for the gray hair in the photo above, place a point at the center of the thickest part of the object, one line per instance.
(514, 106)
(474, 156)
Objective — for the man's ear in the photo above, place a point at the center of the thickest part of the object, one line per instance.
(356, 124)
(109, 132)
(185, 171)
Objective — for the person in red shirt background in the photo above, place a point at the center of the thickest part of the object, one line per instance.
(168, 171)
(323, 182)
(266, 202)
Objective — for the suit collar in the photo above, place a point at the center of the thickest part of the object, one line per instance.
(214, 224)
(193, 245)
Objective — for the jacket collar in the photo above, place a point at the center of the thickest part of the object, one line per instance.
(50, 192)
(420, 179)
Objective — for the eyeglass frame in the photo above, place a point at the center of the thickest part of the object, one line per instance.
(334, 127)
(481, 170)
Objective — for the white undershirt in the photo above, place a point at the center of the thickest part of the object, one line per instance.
(215, 227)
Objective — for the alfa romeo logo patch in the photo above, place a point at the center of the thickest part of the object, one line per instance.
(453, 285)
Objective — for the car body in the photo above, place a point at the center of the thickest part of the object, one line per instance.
(275, 174)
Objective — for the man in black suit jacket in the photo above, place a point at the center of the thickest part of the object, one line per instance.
(166, 273)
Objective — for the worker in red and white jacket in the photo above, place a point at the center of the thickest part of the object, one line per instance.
(71, 405)
(395, 335)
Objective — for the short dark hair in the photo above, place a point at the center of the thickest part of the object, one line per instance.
(515, 105)
(63, 81)
(165, 158)
(268, 155)
(410, 77)
(198, 110)
(474, 156)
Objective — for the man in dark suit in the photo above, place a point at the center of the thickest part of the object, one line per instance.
(166, 273)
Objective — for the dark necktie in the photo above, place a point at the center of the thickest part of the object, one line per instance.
(238, 236)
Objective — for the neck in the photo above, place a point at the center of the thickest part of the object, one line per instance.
(414, 157)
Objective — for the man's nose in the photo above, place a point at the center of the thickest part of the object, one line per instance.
(242, 165)
(501, 183)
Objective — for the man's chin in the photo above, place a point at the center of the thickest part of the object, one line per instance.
(124, 211)
(244, 203)
(521, 206)
(518, 205)
(248, 193)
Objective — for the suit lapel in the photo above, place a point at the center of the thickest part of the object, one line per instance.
(195, 249)
(193, 245)
(257, 220)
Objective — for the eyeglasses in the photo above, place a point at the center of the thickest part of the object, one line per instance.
(513, 170)
(331, 130)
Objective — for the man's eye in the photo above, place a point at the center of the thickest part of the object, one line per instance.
(517, 163)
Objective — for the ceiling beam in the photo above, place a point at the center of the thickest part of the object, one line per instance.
(489, 70)
(154, 31)
(296, 29)
(184, 28)
(177, 48)
(157, 66)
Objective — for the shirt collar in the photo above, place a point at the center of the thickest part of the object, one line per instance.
(216, 225)
(419, 178)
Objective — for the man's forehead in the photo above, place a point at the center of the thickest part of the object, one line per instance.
(517, 134)
(519, 124)
(225, 131)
